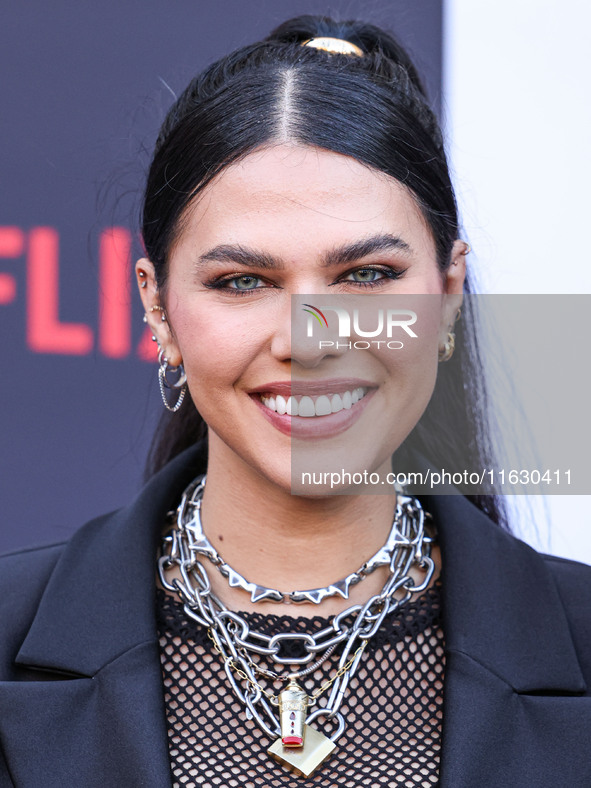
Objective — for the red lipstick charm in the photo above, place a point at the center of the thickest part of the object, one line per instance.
(293, 705)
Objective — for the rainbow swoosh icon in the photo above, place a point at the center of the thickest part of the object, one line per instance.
(316, 313)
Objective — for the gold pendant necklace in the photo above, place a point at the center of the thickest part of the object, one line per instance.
(300, 747)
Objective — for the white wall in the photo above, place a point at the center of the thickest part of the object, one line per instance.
(518, 117)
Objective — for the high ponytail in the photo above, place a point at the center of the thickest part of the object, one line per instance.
(372, 41)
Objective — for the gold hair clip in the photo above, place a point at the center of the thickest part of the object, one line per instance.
(336, 46)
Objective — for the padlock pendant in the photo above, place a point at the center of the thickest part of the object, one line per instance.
(293, 705)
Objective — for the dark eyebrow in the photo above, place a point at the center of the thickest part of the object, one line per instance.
(356, 251)
(242, 255)
(249, 258)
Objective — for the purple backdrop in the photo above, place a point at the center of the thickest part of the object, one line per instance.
(83, 91)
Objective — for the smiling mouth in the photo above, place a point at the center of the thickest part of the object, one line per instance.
(312, 406)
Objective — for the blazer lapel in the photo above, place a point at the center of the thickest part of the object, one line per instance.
(87, 707)
(509, 715)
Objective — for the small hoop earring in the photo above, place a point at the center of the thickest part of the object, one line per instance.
(447, 351)
(180, 384)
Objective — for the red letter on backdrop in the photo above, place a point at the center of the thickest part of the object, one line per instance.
(12, 244)
(45, 334)
(114, 296)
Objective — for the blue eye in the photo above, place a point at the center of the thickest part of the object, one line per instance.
(371, 276)
(243, 282)
(238, 284)
(366, 275)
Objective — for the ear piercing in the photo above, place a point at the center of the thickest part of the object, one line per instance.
(447, 351)
(156, 308)
(142, 276)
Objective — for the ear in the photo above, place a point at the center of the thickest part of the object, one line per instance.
(156, 315)
(453, 288)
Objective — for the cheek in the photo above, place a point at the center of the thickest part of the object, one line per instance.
(412, 369)
(217, 346)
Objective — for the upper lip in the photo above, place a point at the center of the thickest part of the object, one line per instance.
(289, 388)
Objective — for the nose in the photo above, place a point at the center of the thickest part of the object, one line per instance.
(304, 336)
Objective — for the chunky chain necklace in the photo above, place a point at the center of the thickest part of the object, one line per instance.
(189, 513)
(299, 745)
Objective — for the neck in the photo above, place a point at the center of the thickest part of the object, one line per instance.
(290, 543)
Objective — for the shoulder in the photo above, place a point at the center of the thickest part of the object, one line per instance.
(572, 576)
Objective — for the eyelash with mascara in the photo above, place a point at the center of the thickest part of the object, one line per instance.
(223, 282)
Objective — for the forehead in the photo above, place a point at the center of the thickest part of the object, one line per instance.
(297, 192)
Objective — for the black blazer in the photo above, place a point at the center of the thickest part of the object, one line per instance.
(81, 698)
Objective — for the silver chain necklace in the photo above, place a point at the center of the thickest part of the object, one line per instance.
(189, 513)
(299, 746)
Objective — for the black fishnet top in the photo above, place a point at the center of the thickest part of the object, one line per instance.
(393, 706)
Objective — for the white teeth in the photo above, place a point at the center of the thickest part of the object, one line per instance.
(336, 403)
(306, 407)
(322, 405)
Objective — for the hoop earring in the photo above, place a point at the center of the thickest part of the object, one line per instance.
(164, 383)
(447, 351)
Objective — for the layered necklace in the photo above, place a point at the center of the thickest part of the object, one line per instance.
(287, 717)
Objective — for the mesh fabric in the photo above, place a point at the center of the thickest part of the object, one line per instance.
(393, 706)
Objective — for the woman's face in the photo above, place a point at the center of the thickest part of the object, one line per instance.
(300, 221)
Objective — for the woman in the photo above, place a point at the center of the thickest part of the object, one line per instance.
(290, 178)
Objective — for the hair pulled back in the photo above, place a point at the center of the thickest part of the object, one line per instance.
(373, 108)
